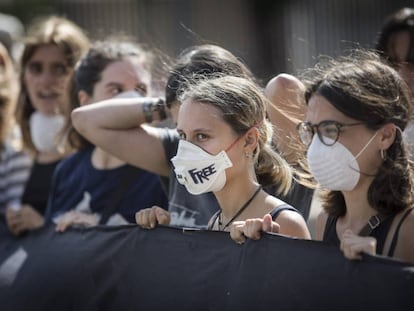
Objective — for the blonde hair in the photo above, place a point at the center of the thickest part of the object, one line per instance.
(8, 95)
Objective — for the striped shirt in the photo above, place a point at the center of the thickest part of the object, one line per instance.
(14, 172)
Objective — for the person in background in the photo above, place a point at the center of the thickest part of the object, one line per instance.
(358, 107)
(52, 47)
(11, 33)
(395, 44)
(285, 109)
(14, 164)
(92, 186)
(151, 148)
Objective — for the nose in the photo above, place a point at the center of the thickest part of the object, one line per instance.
(47, 76)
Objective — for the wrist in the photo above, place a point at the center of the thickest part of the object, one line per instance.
(154, 110)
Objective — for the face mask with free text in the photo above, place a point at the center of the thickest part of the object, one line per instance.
(199, 171)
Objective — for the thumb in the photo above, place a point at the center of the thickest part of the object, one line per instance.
(269, 225)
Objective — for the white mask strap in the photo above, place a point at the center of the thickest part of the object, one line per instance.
(366, 145)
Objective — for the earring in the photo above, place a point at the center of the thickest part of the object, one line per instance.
(383, 154)
(247, 154)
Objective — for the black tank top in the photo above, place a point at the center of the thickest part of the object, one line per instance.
(274, 213)
(379, 233)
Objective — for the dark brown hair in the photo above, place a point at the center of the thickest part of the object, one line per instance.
(401, 20)
(366, 89)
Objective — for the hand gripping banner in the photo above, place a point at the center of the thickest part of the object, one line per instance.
(129, 268)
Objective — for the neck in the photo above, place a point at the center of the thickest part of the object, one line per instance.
(103, 160)
(358, 209)
(233, 204)
(48, 157)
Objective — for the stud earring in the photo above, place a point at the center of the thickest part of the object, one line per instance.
(247, 154)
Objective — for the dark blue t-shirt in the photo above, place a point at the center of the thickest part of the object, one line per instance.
(76, 182)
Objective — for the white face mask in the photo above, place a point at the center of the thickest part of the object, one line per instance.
(334, 167)
(128, 94)
(199, 171)
(44, 129)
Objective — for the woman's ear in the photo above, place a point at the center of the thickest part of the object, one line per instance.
(84, 98)
(387, 135)
(251, 140)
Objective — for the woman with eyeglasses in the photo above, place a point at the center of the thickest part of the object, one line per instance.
(357, 110)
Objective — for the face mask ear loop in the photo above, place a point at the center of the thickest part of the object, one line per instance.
(238, 138)
(366, 145)
(362, 150)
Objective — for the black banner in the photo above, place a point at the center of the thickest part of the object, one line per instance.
(129, 268)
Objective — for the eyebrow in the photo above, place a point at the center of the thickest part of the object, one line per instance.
(112, 84)
(202, 130)
(199, 130)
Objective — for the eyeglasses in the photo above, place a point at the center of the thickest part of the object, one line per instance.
(328, 131)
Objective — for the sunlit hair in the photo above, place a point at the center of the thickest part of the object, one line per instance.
(45, 31)
(7, 96)
(365, 89)
(243, 106)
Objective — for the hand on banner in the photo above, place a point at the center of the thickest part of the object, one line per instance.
(22, 219)
(148, 218)
(252, 228)
(353, 245)
(74, 217)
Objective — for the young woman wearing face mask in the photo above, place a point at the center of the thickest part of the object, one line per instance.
(357, 110)
(93, 186)
(224, 144)
(52, 47)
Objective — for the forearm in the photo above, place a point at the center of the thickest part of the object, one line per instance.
(116, 114)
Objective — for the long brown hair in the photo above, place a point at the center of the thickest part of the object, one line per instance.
(52, 30)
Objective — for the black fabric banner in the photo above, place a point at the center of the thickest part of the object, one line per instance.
(129, 268)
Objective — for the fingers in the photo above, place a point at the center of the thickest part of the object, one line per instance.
(145, 218)
(65, 221)
(15, 221)
(163, 217)
(148, 218)
(253, 228)
(236, 232)
(353, 245)
(76, 218)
